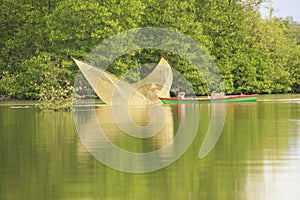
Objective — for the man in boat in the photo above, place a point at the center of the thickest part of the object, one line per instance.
(181, 95)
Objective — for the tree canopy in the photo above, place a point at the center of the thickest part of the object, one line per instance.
(254, 54)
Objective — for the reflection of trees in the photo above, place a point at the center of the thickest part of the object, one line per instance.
(42, 157)
(272, 162)
(255, 138)
(38, 150)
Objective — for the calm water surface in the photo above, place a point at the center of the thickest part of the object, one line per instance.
(257, 156)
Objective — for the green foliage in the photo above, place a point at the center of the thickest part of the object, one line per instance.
(253, 54)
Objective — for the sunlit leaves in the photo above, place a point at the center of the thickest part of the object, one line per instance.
(253, 54)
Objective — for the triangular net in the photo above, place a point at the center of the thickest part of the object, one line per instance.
(113, 90)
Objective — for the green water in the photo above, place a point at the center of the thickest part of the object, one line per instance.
(257, 156)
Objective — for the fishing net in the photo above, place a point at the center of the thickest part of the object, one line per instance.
(113, 90)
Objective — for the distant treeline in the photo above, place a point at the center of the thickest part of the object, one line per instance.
(254, 54)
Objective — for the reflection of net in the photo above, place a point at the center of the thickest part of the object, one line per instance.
(107, 85)
(138, 121)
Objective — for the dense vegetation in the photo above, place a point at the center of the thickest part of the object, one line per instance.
(254, 54)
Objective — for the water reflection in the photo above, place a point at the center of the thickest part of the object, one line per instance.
(110, 140)
(140, 117)
(215, 128)
(257, 156)
(275, 173)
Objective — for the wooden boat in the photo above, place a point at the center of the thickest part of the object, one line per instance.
(224, 99)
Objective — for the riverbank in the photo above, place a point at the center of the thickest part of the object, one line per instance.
(67, 105)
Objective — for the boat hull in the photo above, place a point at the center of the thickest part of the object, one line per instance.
(226, 99)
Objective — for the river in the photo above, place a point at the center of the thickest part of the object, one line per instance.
(256, 154)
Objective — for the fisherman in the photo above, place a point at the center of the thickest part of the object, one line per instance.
(181, 95)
